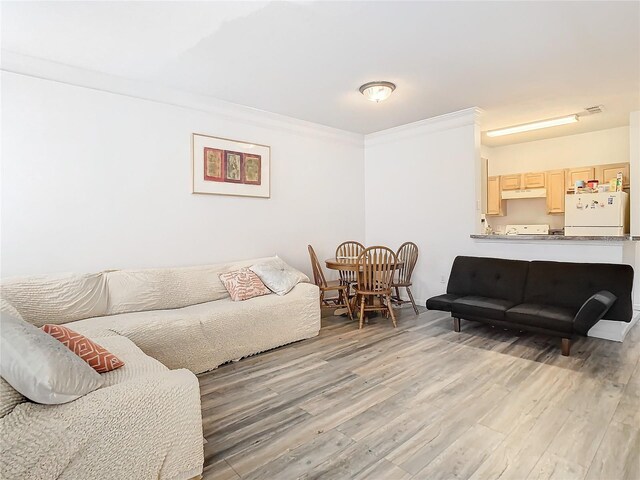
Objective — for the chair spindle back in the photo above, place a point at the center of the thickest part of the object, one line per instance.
(353, 249)
(318, 275)
(408, 254)
(377, 266)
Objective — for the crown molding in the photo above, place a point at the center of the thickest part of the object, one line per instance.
(461, 118)
(15, 63)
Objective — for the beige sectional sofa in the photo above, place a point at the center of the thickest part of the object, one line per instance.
(166, 325)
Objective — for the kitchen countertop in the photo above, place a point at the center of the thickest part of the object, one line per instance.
(555, 237)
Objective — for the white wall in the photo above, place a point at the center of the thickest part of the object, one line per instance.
(94, 180)
(634, 153)
(420, 186)
(592, 148)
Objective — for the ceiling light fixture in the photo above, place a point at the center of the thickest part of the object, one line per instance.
(525, 127)
(377, 91)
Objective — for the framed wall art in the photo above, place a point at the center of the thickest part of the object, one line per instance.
(222, 166)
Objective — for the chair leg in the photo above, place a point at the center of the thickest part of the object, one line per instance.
(566, 346)
(347, 303)
(390, 308)
(456, 324)
(321, 299)
(398, 294)
(413, 302)
(361, 311)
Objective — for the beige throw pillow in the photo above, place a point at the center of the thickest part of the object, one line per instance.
(40, 367)
(243, 284)
(278, 275)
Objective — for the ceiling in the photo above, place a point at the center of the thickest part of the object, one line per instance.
(518, 61)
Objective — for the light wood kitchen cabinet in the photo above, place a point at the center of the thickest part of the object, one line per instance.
(555, 191)
(495, 204)
(605, 173)
(511, 182)
(575, 174)
(533, 180)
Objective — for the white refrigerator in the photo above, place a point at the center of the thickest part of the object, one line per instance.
(596, 214)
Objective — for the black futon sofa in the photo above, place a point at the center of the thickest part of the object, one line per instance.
(554, 298)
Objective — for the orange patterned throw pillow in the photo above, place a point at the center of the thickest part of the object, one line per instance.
(96, 356)
(243, 284)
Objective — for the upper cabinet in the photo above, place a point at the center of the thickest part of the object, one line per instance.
(556, 182)
(555, 191)
(495, 204)
(533, 180)
(576, 174)
(605, 173)
(511, 182)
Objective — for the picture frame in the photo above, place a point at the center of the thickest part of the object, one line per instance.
(222, 166)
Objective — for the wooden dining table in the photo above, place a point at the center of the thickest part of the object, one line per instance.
(349, 264)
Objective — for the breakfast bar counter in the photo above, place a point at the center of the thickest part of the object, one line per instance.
(516, 238)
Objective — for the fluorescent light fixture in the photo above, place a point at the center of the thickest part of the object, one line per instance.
(377, 91)
(553, 122)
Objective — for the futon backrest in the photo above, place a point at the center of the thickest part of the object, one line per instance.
(569, 285)
(488, 277)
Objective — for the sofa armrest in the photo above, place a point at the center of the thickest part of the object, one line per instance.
(593, 310)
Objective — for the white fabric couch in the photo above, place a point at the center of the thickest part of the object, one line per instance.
(166, 325)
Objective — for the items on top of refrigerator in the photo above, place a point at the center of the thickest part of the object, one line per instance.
(593, 186)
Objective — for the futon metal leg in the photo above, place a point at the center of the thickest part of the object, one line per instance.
(456, 324)
(566, 346)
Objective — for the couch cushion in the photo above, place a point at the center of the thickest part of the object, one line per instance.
(483, 307)
(543, 316)
(201, 337)
(166, 288)
(9, 398)
(488, 277)
(147, 428)
(163, 288)
(137, 364)
(569, 285)
(442, 302)
(56, 299)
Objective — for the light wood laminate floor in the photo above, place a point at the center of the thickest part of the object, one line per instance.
(424, 402)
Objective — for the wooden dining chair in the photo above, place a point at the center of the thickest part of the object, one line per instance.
(342, 300)
(376, 267)
(353, 249)
(408, 256)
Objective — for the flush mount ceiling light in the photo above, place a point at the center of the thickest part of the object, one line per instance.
(377, 91)
(525, 127)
